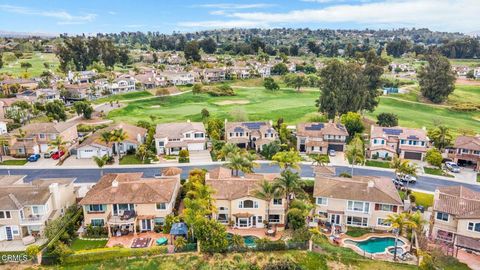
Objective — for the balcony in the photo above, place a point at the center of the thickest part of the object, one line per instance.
(335, 140)
(33, 220)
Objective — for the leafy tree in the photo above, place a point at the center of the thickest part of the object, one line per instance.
(295, 81)
(279, 69)
(101, 161)
(56, 110)
(192, 51)
(267, 192)
(215, 128)
(470, 74)
(387, 120)
(289, 183)
(296, 218)
(1, 60)
(441, 137)
(434, 157)
(208, 45)
(205, 113)
(197, 88)
(287, 159)
(83, 108)
(59, 144)
(269, 150)
(123, 57)
(355, 151)
(319, 159)
(32, 251)
(436, 79)
(26, 65)
(353, 123)
(117, 136)
(237, 242)
(270, 84)
(212, 236)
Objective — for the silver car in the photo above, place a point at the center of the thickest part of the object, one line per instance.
(331, 152)
(452, 166)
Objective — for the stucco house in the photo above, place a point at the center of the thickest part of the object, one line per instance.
(235, 200)
(318, 138)
(466, 151)
(250, 135)
(170, 138)
(26, 208)
(359, 201)
(123, 202)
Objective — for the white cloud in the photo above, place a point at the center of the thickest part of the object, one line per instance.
(112, 13)
(224, 24)
(443, 15)
(234, 6)
(217, 12)
(63, 16)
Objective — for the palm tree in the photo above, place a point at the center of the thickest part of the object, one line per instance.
(227, 150)
(237, 241)
(22, 135)
(203, 193)
(118, 136)
(287, 159)
(288, 184)
(320, 160)
(441, 137)
(179, 243)
(58, 144)
(235, 163)
(101, 161)
(355, 151)
(416, 225)
(398, 222)
(267, 192)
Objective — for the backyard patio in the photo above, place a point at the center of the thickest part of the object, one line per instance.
(127, 240)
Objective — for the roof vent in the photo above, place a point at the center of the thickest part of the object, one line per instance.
(114, 183)
(371, 184)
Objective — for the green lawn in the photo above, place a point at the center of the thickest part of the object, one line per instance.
(377, 163)
(478, 177)
(131, 159)
(465, 94)
(357, 231)
(37, 60)
(14, 162)
(424, 199)
(124, 97)
(436, 171)
(255, 103)
(82, 244)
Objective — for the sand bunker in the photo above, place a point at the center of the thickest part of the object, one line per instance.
(155, 106)
(232, 102)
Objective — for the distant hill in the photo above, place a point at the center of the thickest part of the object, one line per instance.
(9, 34)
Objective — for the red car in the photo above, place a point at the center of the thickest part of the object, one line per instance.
(57, 155)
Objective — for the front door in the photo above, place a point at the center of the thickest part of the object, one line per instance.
(146, 225)
(335, 219)
(9, 233)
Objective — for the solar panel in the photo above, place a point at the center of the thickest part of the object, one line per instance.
(253, 125)
(412, 137)
(315, 127)
(392, 131)
(238, 129)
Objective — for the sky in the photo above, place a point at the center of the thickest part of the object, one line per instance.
(166, 16)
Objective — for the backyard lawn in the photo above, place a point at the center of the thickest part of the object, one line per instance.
(357, 231)
(14, 162)
(82, 244)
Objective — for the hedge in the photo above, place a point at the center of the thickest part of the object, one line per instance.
(94, 255)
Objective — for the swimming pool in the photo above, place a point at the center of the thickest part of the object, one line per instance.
(375, 244)
(249, 240)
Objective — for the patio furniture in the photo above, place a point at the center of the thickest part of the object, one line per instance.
(162, 241)
(27, 240)
(141, 242)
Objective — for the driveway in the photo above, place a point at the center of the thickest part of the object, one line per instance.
(42, 163)
(73, 161)
(339, 159)
(200, 156)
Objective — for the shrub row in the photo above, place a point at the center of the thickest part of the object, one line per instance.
(94, 255)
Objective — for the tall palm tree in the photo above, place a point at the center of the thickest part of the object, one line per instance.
(320, 160)
(101, 161)
(227, 150)
(287, 159)
(288, 184)
(416, 225)
(118, 136)
(355, 151)
(266, 191)
(58, 144)
(398, 222)
(441, 137)
(236, 163)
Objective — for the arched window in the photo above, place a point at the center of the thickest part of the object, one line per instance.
(248, 204)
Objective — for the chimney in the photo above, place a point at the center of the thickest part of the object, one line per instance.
(270, 122)
(114, 183)
(371, 184)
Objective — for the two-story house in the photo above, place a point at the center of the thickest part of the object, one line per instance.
(178, 78)
(211, 75)
(358, 201)
(26, 208)
(466, 151)
(236, 202)
(123, 202)
(96, 146)
(250, 135)
(36, 137)
(407, 143)
(119, 85)
(318, 138)
(455, 219)
(170, 138)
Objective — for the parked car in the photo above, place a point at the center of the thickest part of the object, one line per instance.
(58, 155)
(34, 157)
(331, 152)
(406, 178)
(418, 208)
(48, 154)
(398, 184)
(452, 166)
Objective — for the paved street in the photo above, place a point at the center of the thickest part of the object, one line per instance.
(93, 174)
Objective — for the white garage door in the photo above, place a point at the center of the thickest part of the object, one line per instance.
(87, 153)
(196, 146)
(43, 148)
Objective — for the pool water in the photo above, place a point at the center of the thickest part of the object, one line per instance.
(249, 240)
(376, 244)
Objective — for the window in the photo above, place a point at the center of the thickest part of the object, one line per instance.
(382, 222)
(402, 141)
(383, 141)
(442, 216)
(96, 208)
(323, 214)
(161, 206)
(222, 218)
(423, 143)
(231, 134)
(161, 144)
(385, 207)
(322, 201)
(198, 135)
(277, 201)
(119, 208)
(97, 222)
(15, 230)
(248, 204)
(374, 141)
(358, 206)
(474, 227)
(357, 221)
(41, 135)
(5, 215)
(465, 151)
(274, 218)
(159, 221)
(187, 135)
